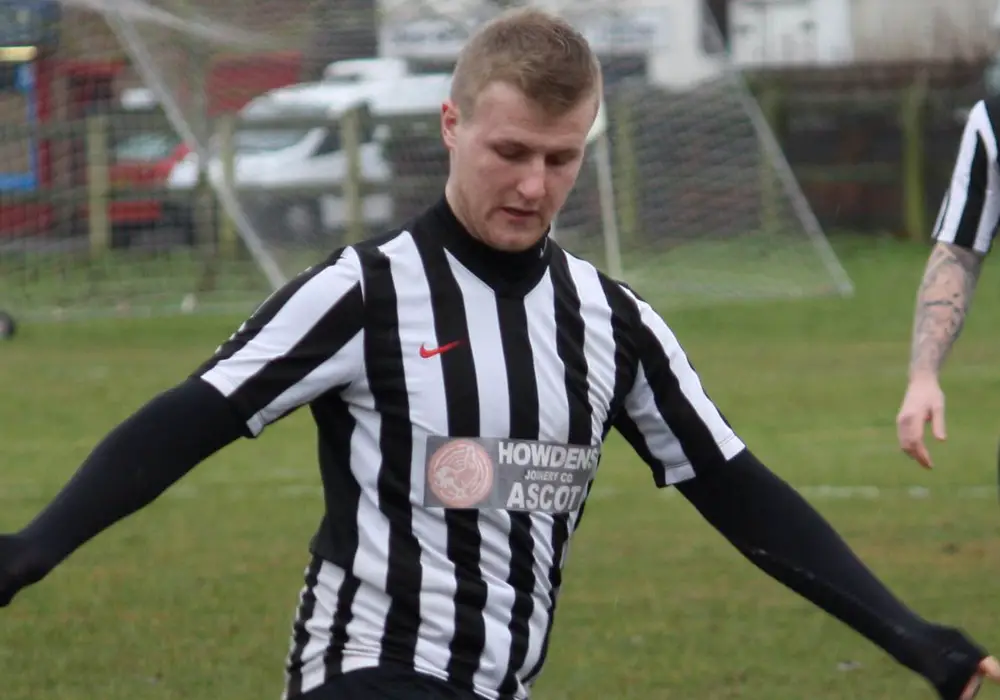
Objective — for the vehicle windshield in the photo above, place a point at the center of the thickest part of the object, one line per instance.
(146, 147)
(249, 141)
(255, 140)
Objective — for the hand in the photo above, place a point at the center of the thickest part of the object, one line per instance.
(954, 664)
(923, 402)
(988, 668)
(21, 564)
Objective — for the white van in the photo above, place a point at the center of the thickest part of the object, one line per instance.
(357, 70)
(272, 163)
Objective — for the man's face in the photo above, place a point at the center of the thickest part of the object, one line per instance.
(513, 165)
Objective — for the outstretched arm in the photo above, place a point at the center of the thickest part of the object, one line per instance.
(778, 531)
(677, 429)
(128, 470)
(304, 341)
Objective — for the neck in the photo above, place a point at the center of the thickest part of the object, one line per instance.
(457, 205)
(515, 272)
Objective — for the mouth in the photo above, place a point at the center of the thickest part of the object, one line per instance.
(517, 213)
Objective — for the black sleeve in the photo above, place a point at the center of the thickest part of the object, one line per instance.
(777, 530)
(301, 342)
(135, 463)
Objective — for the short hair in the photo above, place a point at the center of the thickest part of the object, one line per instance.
(542, 55)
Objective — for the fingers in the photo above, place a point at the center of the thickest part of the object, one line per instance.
(910, 433)
(937, 422)
(919, 452)
(989, 668)
(972, 689)
(921, 405)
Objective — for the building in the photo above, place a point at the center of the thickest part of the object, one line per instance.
(668, 42)
(781, 32)
(675, 43)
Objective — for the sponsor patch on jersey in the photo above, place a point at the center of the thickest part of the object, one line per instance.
(519, 475)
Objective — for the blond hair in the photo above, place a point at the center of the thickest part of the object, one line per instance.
(543, 56)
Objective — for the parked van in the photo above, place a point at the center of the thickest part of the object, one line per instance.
(282, 171)
(357, 70)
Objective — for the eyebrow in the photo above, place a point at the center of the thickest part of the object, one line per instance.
(517, 143)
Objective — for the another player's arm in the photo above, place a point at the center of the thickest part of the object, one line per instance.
(963, 235)
(303, 341)
(671, 422)
(943, 302)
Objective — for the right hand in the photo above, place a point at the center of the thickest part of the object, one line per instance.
(923, 403)
(21, 564)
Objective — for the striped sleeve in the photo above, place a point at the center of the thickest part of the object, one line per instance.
(303, 341)
(970, 212)
(667, 416)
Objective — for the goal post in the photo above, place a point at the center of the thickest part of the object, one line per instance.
(277, 131)
(695, 206)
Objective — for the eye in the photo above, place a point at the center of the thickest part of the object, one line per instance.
(561, 159)
(511, 152)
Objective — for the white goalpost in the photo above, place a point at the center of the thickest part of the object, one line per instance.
(283, 130)
(597, 139)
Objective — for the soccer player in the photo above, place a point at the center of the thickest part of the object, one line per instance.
(463, 373)
(963, 235)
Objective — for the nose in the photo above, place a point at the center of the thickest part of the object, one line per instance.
(532, 184)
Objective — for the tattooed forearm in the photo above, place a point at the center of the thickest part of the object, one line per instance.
(942, 304)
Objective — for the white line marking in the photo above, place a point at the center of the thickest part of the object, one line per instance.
(828, 492)
(976, 492)
(289, 485)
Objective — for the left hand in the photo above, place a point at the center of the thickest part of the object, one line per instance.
(988, 668)
(954, 664)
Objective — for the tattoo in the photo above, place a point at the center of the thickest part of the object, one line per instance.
(942, 305)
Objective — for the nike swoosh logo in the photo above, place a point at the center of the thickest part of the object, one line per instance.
(426, 352)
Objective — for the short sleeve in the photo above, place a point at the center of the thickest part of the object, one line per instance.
(970, 211)
(303, 341)
(667, 416)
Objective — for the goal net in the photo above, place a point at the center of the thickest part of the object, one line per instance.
(178, 157)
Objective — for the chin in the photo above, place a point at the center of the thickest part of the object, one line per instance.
(514, 240)
(513, 237)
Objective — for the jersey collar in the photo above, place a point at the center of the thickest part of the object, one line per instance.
(509, 274)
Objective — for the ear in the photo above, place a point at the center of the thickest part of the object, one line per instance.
(450, 118)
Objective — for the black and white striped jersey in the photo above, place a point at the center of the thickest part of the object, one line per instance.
(970, 213)
(461, 397)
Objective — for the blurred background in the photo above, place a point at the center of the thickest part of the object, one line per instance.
(766, 173)
(149, 148)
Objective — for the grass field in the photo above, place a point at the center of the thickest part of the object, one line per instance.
(192, 598)
(60, 284)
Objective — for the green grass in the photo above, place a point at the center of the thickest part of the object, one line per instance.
(692, 272)
(130, 283)
(192, 598)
